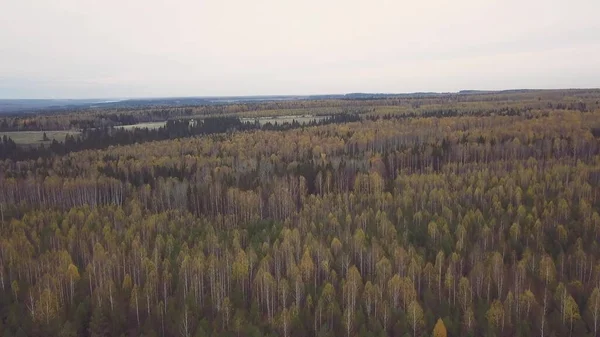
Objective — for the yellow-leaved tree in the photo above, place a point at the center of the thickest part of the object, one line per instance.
(439, 330)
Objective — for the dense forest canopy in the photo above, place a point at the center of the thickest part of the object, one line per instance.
(473, 214)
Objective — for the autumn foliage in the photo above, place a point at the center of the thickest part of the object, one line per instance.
(444, 216)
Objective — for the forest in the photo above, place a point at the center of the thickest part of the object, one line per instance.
(469, 214)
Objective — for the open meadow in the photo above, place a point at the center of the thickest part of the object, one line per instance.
(37, 137)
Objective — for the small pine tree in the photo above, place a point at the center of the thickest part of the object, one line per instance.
(99, 325)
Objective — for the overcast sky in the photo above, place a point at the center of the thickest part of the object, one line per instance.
(143, 48)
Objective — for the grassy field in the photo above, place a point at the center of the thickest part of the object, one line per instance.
(283, 119)
(36, 137)
(318, 111)
(149, 125)
(302, 119)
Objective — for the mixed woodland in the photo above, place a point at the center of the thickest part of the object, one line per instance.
(472, 214)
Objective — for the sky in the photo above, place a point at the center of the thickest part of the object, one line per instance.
(159, 48)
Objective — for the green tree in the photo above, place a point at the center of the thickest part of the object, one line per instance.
(495, 314)
(594, 308)
(415, 317)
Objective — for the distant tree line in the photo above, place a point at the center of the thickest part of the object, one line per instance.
(99, 138)
(420, 104)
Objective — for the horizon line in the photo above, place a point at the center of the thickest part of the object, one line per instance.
(295, 95)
